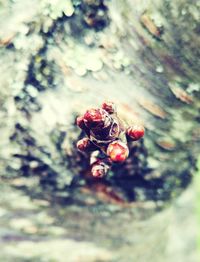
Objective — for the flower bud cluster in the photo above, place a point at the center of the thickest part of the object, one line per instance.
(106, 133)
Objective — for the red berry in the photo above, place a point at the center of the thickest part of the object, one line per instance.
(109, 107)
(117, 151)
(135, 132)
(83, 144)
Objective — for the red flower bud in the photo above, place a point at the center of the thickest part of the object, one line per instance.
(95, 117)
(99, 169)
(84, 144)
(117, 151)
(80, 122)
(135, 132)
(109, 107)
(105, 133)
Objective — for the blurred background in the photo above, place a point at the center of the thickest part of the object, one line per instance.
(59, 58)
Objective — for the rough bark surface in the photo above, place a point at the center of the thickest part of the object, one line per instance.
(57, 59)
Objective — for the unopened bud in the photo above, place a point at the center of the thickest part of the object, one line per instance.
(95, 118)
(109, 107)
(99, 169)
(135, 132)
(117, 151)
(85, 145)
(80, 122)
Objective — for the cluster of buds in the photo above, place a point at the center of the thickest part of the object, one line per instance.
(107, 134)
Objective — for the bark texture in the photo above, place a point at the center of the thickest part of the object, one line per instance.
(60, 58)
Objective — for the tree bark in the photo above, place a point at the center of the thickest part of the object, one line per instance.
(56, 63)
